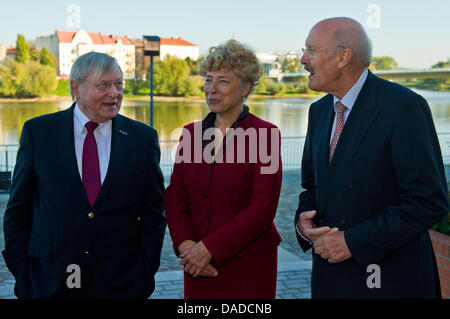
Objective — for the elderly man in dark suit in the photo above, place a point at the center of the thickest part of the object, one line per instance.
(85, 216)
(372, 172)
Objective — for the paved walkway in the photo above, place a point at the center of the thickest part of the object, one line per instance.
(293, 280)
(294, 267)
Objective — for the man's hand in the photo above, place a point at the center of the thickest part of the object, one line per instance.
(196, 261)
(332, 247)
(307, 227)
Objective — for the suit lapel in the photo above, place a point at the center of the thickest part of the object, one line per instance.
(119, 136)
(66, 146)
(323, 142)
(359, 121)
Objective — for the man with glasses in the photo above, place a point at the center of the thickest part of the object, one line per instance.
(372, 175)
(85, 216)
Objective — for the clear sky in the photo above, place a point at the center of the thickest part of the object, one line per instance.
(415, 32)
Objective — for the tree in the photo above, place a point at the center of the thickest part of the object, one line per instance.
(29, 79)
(439, 84)
(261, 88)
(40, 80)
(45, 57)
(22, 49)
(290, 65)
(171, 77)
(384, 63)
(11, 77)
(441, 64)
(34, 52)
(192, 65)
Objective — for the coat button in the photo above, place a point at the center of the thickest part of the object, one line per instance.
(205, 195)
(91, 215)
(350, 186)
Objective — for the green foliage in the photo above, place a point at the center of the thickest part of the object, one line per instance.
(192, 65)
(384, 63)
(136, 87)
(261, 88)
(270, 87)
(45, 57)
(29, 79)
(62, 89)
(22, 49)
(11, 77)
(172, 78)
(433, 84)
(34, 53)
(302, 86)
(443, 226)
(441, 65)
(290, 65)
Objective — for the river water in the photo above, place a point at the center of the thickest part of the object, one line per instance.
(289, 114)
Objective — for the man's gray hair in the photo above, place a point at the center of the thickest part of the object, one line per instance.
(92, 62)
(358, 41)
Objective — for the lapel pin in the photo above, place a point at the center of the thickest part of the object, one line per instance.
(123, 132)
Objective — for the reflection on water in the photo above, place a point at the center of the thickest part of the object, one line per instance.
(289, 114)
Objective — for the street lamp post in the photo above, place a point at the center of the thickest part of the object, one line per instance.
(151, 48)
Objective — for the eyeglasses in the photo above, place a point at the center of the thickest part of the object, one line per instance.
(311, 52)
(104, 86)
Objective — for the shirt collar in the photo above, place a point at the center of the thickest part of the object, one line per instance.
(350, 97)
(208, 121)
(80, 120)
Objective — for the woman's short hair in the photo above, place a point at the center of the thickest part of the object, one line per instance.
(92, 62)
(234, 56)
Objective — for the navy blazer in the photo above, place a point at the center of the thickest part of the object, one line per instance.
(385, 187)
(49, 224)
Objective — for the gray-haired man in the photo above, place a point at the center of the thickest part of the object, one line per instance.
(85, 216)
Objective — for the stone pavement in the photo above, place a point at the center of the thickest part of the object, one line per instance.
(293, 280)
(294, 266)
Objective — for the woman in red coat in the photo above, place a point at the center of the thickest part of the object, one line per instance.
(225, 186)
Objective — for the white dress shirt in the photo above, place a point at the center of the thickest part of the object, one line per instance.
(102, 136)
(348, 100)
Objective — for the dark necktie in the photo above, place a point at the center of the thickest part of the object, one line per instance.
(91, 167)
(340, 108)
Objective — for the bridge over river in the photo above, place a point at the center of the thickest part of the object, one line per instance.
(386, 74)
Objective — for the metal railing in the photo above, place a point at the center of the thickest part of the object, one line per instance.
(291, 154)
(8, 154)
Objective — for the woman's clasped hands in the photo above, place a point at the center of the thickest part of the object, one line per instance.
(196, 259)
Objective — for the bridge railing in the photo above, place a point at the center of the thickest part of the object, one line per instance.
(291, 154)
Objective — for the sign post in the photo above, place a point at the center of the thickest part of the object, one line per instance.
(151, 48)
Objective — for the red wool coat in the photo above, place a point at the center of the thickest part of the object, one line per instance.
(230, 207)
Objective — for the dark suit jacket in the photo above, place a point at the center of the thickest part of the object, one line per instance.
(47, 226)
(385, 188)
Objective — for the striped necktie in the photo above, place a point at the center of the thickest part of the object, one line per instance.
(340, 110)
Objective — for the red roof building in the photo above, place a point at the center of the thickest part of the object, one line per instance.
(178, 47)
(69, 45)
